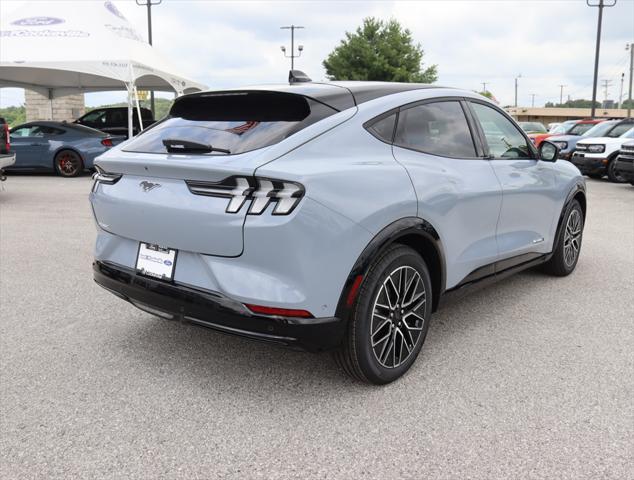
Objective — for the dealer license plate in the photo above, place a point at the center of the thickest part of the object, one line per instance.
(155, 261)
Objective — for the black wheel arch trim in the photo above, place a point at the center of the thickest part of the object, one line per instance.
(404, 227)
(579, 187)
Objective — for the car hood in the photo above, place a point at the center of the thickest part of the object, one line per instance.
(566, 138)
(602, 140)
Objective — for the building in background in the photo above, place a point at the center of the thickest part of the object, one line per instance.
(557, 115)
(40, 107)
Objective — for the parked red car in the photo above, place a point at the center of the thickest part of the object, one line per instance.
(570, 127)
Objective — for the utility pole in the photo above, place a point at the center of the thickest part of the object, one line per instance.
(532, 100)
(148, 4)
(630, 47)
(601, 5)
(621, 91)
(561, 94)
(300, 48)
(606, 84)
(516, 78)
(484, 87)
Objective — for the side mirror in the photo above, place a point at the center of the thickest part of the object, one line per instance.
(548, 151)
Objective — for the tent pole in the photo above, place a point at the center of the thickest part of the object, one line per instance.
(130, 113)
(138, 108)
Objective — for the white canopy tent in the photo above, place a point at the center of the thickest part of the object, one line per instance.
(63, 47)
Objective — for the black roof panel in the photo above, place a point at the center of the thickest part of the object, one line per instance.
(339, 95)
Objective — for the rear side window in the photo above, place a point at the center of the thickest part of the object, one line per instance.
(383, 129)
(439, 128)
(234, 121)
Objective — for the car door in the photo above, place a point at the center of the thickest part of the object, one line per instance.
(457, 190)
(529, 196)
(29, 145)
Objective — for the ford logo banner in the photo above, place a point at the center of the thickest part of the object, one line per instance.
(37, 21)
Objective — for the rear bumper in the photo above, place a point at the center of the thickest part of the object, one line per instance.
(589, 165)
(216, 311)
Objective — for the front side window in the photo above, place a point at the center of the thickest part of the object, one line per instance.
(96, 116)
(503, 138)
(438, 128)
(21, 132)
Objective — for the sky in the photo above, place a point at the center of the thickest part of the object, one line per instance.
(234, 43)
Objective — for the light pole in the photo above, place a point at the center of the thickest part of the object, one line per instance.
(621, 91)
(484, 87)
(630, 47)
(561, 94)
(148, 4)
(532, 100)
(300, 48)
(516, 78)
(601, 5)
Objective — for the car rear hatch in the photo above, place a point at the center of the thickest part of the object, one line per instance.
(210, 142)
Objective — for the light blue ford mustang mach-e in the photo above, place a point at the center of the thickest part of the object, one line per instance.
(330, 216)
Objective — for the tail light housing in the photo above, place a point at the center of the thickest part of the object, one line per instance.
(107, 142)
(258, 192)
(101, 176)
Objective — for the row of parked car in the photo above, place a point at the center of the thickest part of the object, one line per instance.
(597, 147)
(67, 148)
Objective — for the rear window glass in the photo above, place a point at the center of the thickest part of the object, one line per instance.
(85, 129)
(234, 121)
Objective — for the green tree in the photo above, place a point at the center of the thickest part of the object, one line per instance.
(13, 115)
(580, 103)
(381, 51)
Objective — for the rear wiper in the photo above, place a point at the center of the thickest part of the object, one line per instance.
(186, 146)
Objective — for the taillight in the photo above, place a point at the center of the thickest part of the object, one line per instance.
(106, 178)
(107, 142)
(259, 191)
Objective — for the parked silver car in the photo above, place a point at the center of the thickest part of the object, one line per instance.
(330, 216)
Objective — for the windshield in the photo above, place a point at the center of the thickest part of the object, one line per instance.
(532, 127)
(619, 130)
(629, 133)
(599, 130)
(581, 128)
(235, 121)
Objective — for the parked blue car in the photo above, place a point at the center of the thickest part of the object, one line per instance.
(65, 148)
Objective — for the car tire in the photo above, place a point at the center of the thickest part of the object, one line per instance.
(68, 163)
(568, 248)
(613, 175)
(389, 322)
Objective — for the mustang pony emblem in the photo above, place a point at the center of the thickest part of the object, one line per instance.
(147, 186)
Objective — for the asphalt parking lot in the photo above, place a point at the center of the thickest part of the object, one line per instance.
(531, 378)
